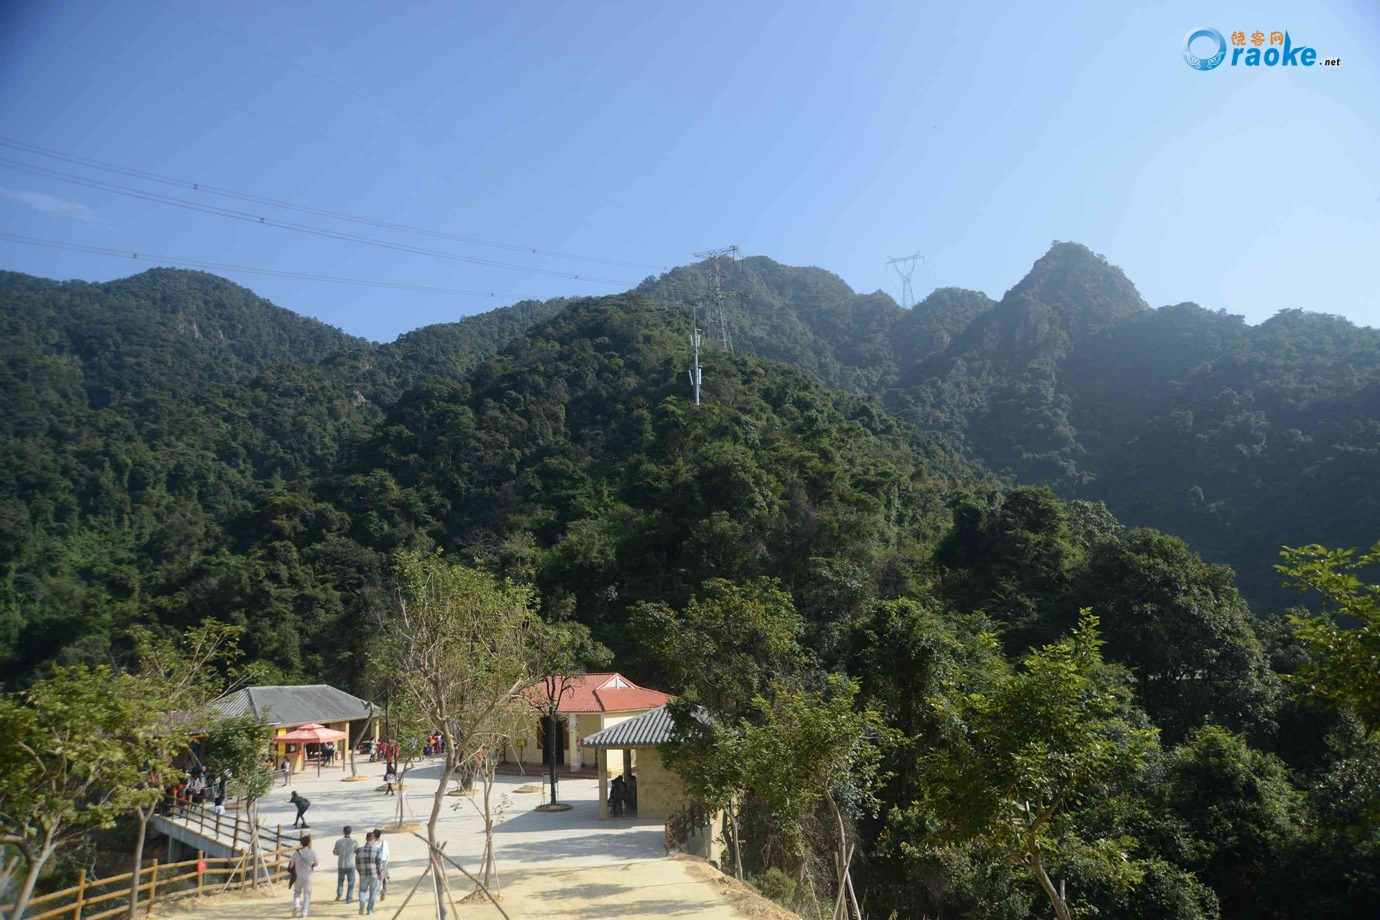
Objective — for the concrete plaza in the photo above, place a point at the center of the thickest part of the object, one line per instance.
(557, 865)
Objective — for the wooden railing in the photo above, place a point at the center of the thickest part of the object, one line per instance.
(233, 830)
(95, 899)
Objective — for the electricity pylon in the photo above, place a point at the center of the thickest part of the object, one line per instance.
(732, 253)
(905, 267)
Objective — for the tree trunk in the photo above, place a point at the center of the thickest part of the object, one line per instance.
(735, 843)
(144, 815)
(401, 791)
(447, 772)
(350, 749)
(845, 856)
(550, 756)
(35, 866)
(1061, 909)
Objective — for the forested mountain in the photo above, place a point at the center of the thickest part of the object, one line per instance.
(174, 448)
(1238, 438)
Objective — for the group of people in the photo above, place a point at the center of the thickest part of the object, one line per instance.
(380, 750)
(363, 864)
(623, 794)
(435, 744)
(201, 786)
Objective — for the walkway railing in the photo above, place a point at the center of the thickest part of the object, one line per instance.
(685, 824)
(94, 899)
(233, 830)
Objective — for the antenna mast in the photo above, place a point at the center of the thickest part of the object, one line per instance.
(905, 267)
(732, 253)
(696, 372)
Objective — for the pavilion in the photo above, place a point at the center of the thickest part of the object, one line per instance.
(288, 708)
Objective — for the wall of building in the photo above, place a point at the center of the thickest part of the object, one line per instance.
(586, 724)
(659, 790)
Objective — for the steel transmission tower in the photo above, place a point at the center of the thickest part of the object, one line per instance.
(905, 267)
(715, 254)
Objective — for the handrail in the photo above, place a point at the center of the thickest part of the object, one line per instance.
(158, 888)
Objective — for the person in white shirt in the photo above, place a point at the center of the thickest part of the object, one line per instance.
(383, 853)
(304, 861)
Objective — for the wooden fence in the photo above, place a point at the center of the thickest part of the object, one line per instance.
(158, 884)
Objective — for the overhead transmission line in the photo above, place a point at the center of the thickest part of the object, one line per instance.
(189, 185)
(223, 266)
(290, 225)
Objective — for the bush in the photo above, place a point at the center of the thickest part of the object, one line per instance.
(777, 885)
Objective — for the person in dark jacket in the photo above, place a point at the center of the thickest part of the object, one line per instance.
(302, 806)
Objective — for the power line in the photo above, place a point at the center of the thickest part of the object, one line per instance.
(305, 209)
(290, 225)
(222, 266)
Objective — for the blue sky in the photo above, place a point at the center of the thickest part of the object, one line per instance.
(821, 134)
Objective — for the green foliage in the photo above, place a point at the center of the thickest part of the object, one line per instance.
(173, 448)
(774, 884)
(71, 761)
(1240, 806)
(1048, 737)
(240, 744)
(726, 650)
(1343, 640)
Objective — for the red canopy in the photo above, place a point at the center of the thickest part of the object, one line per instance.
(312, 733)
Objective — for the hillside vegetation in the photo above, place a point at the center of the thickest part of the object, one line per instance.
(938, 521)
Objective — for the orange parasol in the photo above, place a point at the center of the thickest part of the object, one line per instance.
(311, 733)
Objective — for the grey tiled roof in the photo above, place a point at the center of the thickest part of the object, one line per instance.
(295, 705)
(651, 729)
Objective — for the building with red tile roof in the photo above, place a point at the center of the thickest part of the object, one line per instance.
(589, 703)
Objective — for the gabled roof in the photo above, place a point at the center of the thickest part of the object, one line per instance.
(651, 729)
(604, 692)
(290, 706)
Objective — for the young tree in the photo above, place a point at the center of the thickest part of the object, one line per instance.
(1344, 639)
(1043, 739)
(69, 762)
(240, 744)
(460, 646)
(723, 651)
(709, 760)
(808, 747)
(406, 733)
(175, 679)
(562, 653)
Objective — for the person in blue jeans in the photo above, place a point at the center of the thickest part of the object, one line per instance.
(345, 849)
(369, 862)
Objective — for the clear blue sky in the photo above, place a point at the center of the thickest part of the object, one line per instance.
(822, 134)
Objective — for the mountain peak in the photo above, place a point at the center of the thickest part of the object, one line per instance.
(1070, 294)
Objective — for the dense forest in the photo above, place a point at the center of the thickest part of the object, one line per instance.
(924, 500)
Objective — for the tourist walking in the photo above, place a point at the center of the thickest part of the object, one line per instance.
(369, 862)
(390, 776)
(302, 806)
(345, 866)
(383, 860)
(303, 862)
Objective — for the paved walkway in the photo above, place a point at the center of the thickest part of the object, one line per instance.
(560, 866)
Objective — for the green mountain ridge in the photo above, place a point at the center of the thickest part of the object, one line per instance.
(178, 400)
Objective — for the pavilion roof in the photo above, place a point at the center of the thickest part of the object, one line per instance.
(295, 705)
